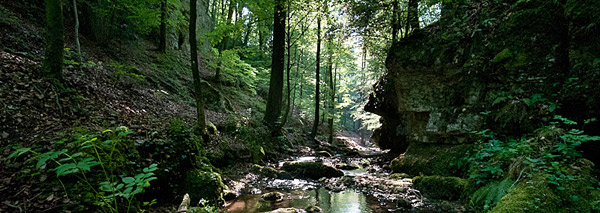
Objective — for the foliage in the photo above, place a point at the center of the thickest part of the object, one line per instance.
(124, 71)
(81, 158)
(485, 198)
(549, 149)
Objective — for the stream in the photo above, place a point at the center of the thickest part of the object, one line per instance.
(366, 186)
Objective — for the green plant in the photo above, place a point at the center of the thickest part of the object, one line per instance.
(127, 71)
(549, 149)
(81, 159)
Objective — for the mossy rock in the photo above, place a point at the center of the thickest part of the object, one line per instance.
(273, 196)
(202, 184)
(536, 194)
(438, 187)
(311, 170)
(431, 159)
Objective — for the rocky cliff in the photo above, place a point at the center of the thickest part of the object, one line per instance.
(505, 65)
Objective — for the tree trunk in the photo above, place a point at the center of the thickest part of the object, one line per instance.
(288, 68)
(162, 40)
(55, 40)
(77, 33)
(273, 110)
(201, 123)
(413, 15)
(331, 111)
(315, 127)
(395, 21)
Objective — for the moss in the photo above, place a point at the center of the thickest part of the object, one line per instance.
(202, 184)
(488, 196)
(431, 159)
(312, 170)
(438, 187)
(502, 56)
(536, 194)
(529, 195)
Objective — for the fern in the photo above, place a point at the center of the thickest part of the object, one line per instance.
(489, 195)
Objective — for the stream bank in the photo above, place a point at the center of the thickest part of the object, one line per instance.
(302, 182)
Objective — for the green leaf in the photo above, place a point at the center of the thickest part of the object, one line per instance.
(128, 180)
(65, 169)
(19, 152)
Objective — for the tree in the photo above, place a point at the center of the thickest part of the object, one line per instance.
(273, 110)
(77, 32)
(53, 62)
(162, 42)
(315, 127)
(201, 123)
(331, 105)
(413, 15)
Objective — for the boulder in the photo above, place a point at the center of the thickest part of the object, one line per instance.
(311, 170)
(346, 166)
(431, 159)
(273, 196)
(203, 184)
(438, 187)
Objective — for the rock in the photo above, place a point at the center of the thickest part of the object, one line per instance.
(268, 172)
(284, 175)
(313, 209)
(185, 204)
(323, 154)
(229, 195)
(256, 169)
(272, 196)
(346, 166)
(5, 135)
(399, 175)
(311, 170)
(202, 184)
(418, 159)
(403, 202)
(438, 187)
(285, 210)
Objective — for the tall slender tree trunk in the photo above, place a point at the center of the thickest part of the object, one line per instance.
(331, 111)
(201, 122)
(55, 40)
(162, 40)
(273, 110)
(315, 127)
(288, 67)
(77, 33)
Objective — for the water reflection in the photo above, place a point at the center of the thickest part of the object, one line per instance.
(345, 201)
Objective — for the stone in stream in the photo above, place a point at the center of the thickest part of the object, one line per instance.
(285, 210)
(311, 170)
(313, 209)
(272, 196)
(323, 154)
(284, 175)
(346, 166)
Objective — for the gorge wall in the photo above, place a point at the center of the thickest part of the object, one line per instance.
(503, 65)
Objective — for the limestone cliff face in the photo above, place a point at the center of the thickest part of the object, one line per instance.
(504, 66)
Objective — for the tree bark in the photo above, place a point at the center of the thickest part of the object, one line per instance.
(77, 33)
(331, 112)
(288, 67)
(201, 123)
(315, 127)
(395, 21)
(273, 110)
(55, 40)
(162, 40)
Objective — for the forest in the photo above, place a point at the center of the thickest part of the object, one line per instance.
(299, 106)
